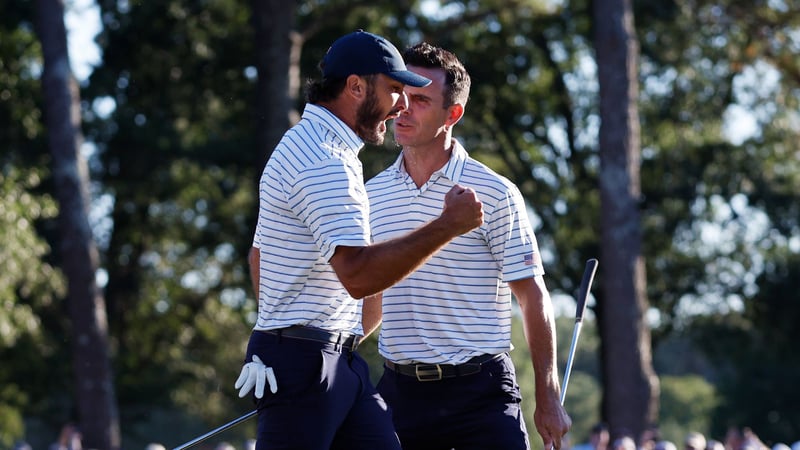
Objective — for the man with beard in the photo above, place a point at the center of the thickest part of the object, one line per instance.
(446, 329)
(312, 261)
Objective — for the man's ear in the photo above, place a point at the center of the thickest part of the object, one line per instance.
(455, 113)
(356, 86)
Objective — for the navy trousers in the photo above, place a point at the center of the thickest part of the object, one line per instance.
(472, 412)
(325, 399)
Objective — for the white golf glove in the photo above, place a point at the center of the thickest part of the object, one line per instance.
(256, 374)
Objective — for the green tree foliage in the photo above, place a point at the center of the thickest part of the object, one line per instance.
(20, 94)
(175, 157)
(756, 352)
(687, 404)
(694, 54)
(722, 216)
(29, 286)
(24, 274)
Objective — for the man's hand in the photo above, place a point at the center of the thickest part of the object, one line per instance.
(463, 209)
(256, 374)
(552, 422)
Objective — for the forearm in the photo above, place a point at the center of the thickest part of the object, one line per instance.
(371, 313)
(368, 270)
(254, 261)
(540, 333)
(552, 422)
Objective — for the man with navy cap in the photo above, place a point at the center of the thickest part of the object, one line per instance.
(312, 262)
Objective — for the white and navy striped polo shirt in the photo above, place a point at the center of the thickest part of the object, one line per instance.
(312, 199)
(458, 304)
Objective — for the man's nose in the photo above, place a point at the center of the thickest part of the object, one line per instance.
(402, 102)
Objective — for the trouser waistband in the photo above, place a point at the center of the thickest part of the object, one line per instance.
(347, 341)
(436, 372)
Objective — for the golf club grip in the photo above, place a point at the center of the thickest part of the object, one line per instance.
(586, 285)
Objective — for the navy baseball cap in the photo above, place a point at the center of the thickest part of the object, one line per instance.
(362, 53)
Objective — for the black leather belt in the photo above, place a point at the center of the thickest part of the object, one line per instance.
(436, 372)
(344, 340)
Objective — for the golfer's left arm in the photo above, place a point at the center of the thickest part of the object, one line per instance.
(254, 261)
(371, 313)
(538, 319)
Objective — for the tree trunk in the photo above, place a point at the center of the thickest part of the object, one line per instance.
(630, 399)
(278, 49)
(94, 393)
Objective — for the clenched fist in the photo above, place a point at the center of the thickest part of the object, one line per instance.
(462, 209)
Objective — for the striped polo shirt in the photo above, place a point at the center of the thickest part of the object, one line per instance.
(311, 199)
(458, 304)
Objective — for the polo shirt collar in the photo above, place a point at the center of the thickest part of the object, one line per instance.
(453, 169)
(323, 116)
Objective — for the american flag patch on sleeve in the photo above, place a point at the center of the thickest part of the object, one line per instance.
(533, 258)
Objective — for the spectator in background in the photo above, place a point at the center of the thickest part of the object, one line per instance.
(694, 441)
(714, 444)
(751, 441)
(155, 446)
(68, 439)
(598, 439)
(649, 437)
(665, 445)
(22, 445)
(743, 439)
(624, 442)
(733, 439)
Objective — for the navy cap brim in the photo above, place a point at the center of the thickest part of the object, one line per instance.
(409, 78)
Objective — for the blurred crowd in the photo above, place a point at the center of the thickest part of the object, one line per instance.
(600, 439)
(70, 439)
(651, 439)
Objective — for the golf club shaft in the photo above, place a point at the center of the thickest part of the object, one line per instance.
(216, 431)
(576, 331)
(583, 295)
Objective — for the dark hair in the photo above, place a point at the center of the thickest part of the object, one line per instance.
(457, 81)
(600, 426)
(327, 89)
(324, 90)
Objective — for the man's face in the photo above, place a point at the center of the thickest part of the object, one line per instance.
(384, 101)
(425, 117)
